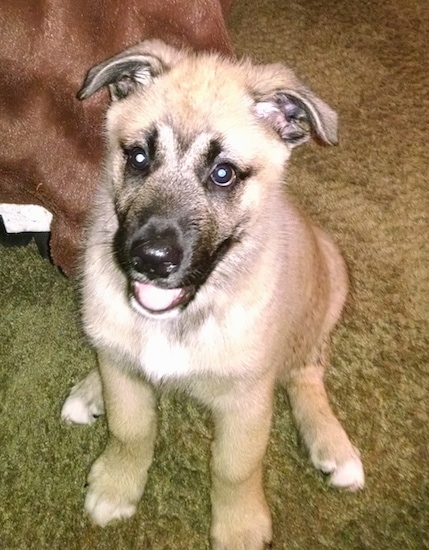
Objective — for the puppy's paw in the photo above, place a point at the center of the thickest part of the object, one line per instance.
(103, 509)
(345, 470)
(77, 410)
(113, 492)
(254, 537)
(242, 531)
(85, 402)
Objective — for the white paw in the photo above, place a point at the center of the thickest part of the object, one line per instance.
(347, 475)
(85, 402)
(76, 410)
(102, 511)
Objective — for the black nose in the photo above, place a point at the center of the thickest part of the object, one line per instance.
(157, 255)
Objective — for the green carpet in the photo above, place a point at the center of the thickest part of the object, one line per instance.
(369, 60)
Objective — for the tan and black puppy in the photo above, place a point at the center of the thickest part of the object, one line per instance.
(200, 274)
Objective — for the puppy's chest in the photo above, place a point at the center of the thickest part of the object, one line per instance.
(212, 350)
(161, 358)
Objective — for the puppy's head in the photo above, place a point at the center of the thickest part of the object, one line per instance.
(197, 146)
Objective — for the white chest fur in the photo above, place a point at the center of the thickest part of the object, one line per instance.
(216, 348)
(160, 359)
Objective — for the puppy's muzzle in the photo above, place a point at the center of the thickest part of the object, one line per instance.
(157, 256)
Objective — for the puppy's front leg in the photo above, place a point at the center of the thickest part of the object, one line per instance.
(118, 477)
(240, 516)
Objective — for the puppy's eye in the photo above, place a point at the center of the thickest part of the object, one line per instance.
(223, 175)
(138, 159)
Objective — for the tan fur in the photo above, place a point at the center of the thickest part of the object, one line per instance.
(263, 315)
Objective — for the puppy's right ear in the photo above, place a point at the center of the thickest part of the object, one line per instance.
(137, 66)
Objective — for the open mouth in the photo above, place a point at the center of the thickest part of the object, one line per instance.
(158, 300)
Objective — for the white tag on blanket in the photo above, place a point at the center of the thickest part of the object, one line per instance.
(18, 218)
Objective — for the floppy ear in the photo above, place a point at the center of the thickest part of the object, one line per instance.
(134, 67)
(294, 112)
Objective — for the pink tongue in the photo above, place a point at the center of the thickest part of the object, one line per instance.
(154, 298)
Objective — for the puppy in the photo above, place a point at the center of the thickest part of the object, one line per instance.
(200, 274)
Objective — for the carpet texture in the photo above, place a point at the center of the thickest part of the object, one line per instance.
(369, 60)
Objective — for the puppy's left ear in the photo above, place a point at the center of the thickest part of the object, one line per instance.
(294, 112)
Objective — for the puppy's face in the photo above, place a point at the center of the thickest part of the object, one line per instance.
(196, 151)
